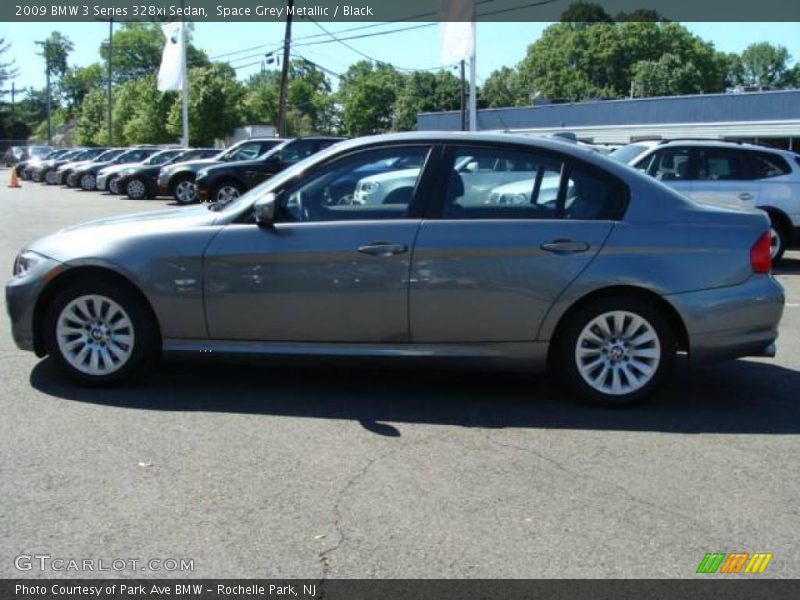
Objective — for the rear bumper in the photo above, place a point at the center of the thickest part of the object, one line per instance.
(732, 322)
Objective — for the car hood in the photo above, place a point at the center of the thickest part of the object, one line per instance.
(92, 240)
(74, 164)
(108, 170)
(239, 164)
(194, 165)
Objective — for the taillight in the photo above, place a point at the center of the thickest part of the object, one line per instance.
(760, 255)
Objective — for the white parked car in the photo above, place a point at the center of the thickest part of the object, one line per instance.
(729, 174)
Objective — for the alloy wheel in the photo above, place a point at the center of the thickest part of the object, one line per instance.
(88, 182)
(136, 189)
(618, 352)
(112, 186)
(95, 335)
(227, 193)
(775, 243)
(186, 192)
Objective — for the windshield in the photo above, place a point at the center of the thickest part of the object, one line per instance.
(628, 153)
(196, 153)
(39, 150)
(109, 155)
(163, 157)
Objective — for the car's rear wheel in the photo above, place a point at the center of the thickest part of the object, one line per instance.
(136, 189)
(778, 238)
(615, 351)
(51, 178)
(113, 186)
(226, 192)
(88, 182)
(36, 176)
(99, 332)
(185, 191)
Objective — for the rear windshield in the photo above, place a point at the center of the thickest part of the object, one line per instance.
(628, 153)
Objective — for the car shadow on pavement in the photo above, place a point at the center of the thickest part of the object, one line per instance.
(733, 397)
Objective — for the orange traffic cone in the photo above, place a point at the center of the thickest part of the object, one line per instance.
(14, 183)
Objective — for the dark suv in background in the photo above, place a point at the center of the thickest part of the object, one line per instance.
(225, 182)
(178, 180)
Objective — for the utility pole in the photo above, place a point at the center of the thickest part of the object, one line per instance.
(110, 59)
(46, 45)
(185, 89)
(287, 42)
(463, 99)
(13, 95)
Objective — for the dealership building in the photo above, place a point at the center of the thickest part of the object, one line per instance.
(765, 117)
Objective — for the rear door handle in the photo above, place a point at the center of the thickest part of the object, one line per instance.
(746, 196)
(382, 249)
(564, 247)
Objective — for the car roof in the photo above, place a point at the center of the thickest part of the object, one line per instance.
(695, 142)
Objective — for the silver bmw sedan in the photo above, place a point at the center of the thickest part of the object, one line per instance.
(527, 252)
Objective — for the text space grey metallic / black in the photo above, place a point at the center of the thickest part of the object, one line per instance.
(407, 246)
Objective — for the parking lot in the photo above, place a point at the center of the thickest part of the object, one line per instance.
(306, 471)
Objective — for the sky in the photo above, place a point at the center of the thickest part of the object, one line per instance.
(498, 44)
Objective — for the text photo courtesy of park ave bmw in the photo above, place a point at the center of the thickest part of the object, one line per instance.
(423, 299)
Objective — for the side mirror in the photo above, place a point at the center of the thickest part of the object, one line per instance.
(264, 209)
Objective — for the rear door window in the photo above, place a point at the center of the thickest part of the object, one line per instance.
(722, 164)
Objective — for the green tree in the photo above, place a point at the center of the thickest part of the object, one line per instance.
(585, 12)
(215, 105)
(137, 51)
(502, 88)
(598, 61)
(425, 92)
(7, 68)
(141, 112)
(79, 81)
(56, 51)
(91, 126)
(765, 64)
(367, 93)
(667, 76)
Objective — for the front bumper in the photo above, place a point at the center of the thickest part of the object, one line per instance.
(101, 183)
(163, 184)
(732, 322)
(22, 295)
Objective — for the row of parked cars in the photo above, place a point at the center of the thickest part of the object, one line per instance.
(187, 174)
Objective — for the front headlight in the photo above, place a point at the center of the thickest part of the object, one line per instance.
(369, 187)
(26, 262)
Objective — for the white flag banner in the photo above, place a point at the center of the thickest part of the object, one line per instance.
(457, 29)
(170, 75)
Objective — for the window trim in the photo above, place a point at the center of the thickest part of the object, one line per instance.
(437, 196)
(415, 207)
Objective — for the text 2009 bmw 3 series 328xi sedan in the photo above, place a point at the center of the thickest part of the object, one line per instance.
(460, 246)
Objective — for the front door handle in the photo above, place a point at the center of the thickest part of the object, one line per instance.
(746, 196)
(564, 247)
(382, 249)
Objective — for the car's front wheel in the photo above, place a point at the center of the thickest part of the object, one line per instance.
(51, 178)
(226, 192)
(185, 191)
(615, 351)
(99, 332)
(136, 189)
(88, 182)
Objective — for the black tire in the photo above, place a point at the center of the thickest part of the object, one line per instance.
(145, 348)
(84, 181)
(175, 185)
(136, 188)
(232, 185)
(781, 239)
(565, 361)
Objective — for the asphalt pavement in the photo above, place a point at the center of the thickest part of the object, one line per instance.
(308, 471)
